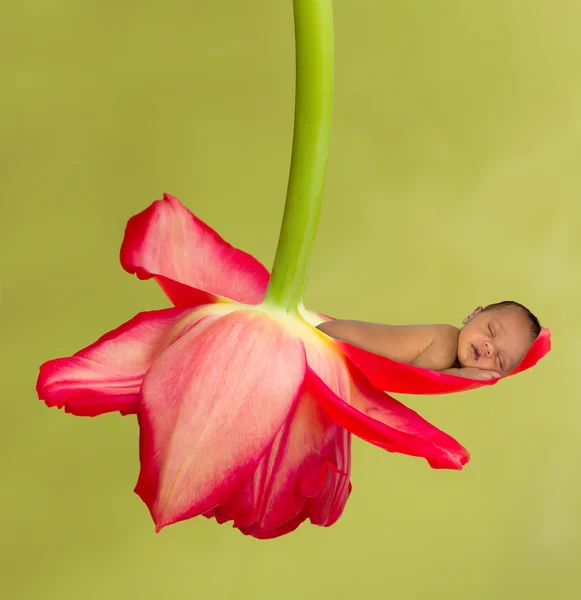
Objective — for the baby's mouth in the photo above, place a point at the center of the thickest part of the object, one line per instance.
(475, 352)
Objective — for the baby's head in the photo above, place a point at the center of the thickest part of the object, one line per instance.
(497, 337)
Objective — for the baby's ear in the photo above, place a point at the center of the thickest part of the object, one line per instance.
(471, 316)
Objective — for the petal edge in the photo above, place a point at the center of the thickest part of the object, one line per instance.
(106, 376)
(381, 420)
(168, 240)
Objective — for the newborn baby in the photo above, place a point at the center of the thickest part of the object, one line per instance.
(491, 343)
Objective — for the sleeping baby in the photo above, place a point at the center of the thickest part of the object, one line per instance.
(491, 343)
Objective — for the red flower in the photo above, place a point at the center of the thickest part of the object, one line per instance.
(246, 413)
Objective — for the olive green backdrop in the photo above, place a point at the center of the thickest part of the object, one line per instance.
(453, 180)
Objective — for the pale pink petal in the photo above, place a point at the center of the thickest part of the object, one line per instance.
(381, 420)
(167, 241)
(107, 375)
(211, 406)
(310, 454)
(310, 457)
(329, 365)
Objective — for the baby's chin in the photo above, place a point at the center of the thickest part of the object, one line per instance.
(465, 363)
(469, 362)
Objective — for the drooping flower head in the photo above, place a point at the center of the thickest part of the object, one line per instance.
(246, 412)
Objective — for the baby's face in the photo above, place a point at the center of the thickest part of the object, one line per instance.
(495, 340)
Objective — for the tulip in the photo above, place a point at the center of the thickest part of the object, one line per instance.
(245, 409)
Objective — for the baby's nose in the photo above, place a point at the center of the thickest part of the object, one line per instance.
(489, 348)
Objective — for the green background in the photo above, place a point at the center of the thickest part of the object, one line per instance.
(453, 181)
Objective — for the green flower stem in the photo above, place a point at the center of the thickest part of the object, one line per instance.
(312, 129)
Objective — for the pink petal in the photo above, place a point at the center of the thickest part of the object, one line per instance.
(381, 420)
(324, 360)
(263, 533)
(310, 458)
(323, 509)
(326, 508)
(211, 406)
(386, 374)
(167, 241)
(107, 375)
(184, 295)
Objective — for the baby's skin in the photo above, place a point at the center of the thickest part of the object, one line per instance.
(490, 344)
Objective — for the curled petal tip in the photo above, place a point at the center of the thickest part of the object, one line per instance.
(107, 375)
(168, 241)
(381, 420)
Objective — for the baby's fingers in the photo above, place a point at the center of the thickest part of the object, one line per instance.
(490, 375)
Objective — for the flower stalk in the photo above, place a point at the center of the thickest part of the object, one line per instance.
(314, 47)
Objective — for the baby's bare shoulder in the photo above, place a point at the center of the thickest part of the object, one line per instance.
(443, 350)
(448, 334)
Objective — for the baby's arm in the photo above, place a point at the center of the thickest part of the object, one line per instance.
(428, 346)
(473, 373)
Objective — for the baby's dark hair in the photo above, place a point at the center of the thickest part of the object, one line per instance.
(535, 325)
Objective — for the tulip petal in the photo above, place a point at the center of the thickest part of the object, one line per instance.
(211, 406)
(263, 533)
(383, 421)
(392, 376)
(184, 295)
(107, 375)
(310, 457)
(326, 508)
(167, 241)
(323, 510)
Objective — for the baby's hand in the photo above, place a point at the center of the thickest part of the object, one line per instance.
(473, 373)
